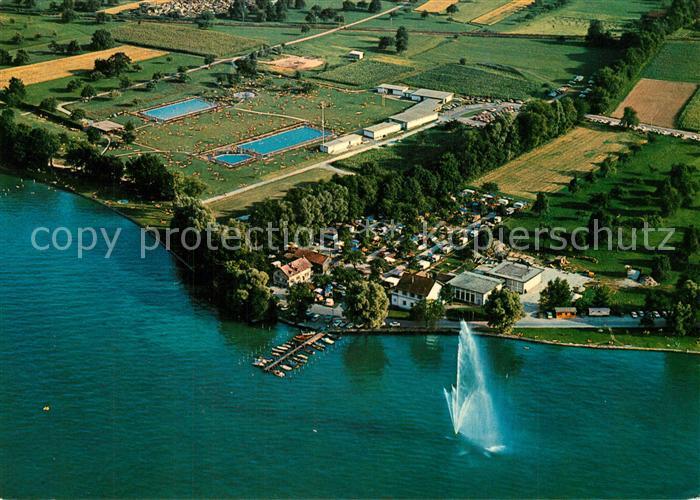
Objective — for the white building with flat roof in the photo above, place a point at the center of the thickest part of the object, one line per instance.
(356, 55)
(474, 288)
(381, 130)
(420, 114)
(520, 278)
(341, 144)
(387, 88)
(422, 94)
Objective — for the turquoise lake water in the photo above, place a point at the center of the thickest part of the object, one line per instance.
(152, 395)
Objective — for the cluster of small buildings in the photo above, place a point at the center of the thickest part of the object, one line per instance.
(426, 110)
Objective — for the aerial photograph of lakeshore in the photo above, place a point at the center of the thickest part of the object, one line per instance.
(350, 249)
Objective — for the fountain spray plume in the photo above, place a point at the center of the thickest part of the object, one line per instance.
(469, 402)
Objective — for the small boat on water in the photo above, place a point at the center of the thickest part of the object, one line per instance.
(261, 362)
(302, 356)
(318, 347)
(278, 373)
(328, 341)
(286, 367)
(309, 350)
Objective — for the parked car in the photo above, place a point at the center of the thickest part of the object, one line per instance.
(633, 314)
(394, 324)
(549, 315)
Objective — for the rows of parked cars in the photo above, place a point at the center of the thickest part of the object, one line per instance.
(653, 314)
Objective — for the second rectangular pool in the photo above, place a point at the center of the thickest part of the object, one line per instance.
(283, 140)
(179, 109)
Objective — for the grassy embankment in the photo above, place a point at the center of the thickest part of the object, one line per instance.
(610, 338)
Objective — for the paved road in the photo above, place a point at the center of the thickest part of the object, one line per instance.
(643, 127)
(275, 179)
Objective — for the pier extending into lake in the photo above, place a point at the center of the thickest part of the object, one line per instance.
(293, 351)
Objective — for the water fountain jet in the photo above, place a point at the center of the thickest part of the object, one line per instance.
(469, 402)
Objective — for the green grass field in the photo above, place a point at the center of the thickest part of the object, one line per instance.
(637, 179)
(164, 64)
(475, 82)
(575, 16)
(210, 130)
(184, 39)
(616, 337)
(236, 205)
(690, 116)
(678, 61)
(365, 73)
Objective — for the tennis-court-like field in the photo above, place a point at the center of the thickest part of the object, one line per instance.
(282, 140)
(178, 109)
(233, 158)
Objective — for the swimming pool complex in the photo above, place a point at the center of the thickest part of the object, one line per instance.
(179, 109)
(282, 140)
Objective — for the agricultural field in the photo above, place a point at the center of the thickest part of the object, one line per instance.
(657, 102)
(234, 205)
(633, 186)
(71, 66)
(472, 9)
(121, 100)
(365, 73)
(500, 13)
(435, 6)
(678, 61)
(540, 61)
(180, 38)
(131, 6)
(574, 17)
(690, 116)
(475, 82)
(549, 168)
(208, 130)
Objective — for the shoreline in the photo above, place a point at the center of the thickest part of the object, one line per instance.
(405, 331)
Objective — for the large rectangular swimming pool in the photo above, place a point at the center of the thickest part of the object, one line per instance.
(283, 140)
(179, 109)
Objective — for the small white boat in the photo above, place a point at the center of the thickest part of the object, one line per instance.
(328, 341)
(278, 373)
(286, 367)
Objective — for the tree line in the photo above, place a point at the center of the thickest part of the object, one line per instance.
(462, 153)
(639, 44)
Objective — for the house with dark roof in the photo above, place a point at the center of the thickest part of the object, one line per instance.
(413, 288)
(320, 263)
(474, 288)
(297, 271)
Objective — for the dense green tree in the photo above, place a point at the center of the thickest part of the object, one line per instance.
(88, 92)
(629, 118)
(102, 40)
(385, 42)
(660, 267)
(503, 310)
(21, 58)
(366, 303)
(151, 178)
(557, 293)
(375, 6)
(428, 312)
(300, 298)
(541, 205)
(401, 40)
(597, 35)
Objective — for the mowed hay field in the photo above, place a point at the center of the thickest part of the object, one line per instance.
(574, 17)
(184, 39)
(68, 66)
(549, 168)
(132, 6)
(365, 73)
(436, 6)
(500, 13)
(657, 102)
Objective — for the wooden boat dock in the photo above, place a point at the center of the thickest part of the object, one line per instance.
(316, 337)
